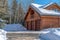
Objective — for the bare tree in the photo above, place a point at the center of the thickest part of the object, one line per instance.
(32, 1)
(10, 18)
(20, 16)
(14, 10)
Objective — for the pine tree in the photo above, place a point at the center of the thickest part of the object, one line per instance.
(3, 9)
(4, 14)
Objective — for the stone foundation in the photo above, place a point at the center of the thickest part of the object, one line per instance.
(23, 36)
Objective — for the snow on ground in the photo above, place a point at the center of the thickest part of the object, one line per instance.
(57, 32)
(53, 30)
(44, 32)
(53, 34)
(2, 35)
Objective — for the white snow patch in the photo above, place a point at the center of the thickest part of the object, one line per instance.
(57, 32)
(44, 11)
(44, 32)
(2, 34)
(36, 5)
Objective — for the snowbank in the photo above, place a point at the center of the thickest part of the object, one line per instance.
(2, 34)
(53, 34)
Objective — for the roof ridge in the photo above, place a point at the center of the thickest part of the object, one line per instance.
(37, 5)
(49, 4)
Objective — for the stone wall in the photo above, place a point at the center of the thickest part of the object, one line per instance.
(23, 36)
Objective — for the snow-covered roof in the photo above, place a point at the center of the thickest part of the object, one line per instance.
(48, 4)
(42, 11)
(14, 27)
(37, 5)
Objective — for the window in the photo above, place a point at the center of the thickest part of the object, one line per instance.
(32, 14)
(56, 10)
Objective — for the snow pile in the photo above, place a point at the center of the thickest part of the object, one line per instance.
(57, 32)
(2, 35)
(44, 32)
(14, 27)
(53, 34)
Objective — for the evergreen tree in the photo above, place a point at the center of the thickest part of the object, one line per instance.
(4, 13)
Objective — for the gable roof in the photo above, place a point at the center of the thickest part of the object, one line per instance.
(14, 27)
(47, 5)
(43, 11)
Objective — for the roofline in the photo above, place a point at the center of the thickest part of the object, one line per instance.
(38, 11)
(47, 5)
(27, 12)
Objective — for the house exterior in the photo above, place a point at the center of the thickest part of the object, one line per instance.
(39, 17)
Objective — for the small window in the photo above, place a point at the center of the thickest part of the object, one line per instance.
(32, 14)
(56, 10)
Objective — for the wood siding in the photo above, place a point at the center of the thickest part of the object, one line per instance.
(49, 22)
(32, 21)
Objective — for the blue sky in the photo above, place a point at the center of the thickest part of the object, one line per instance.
(39, 1)
(46, 1)
(25, 3)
